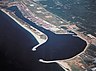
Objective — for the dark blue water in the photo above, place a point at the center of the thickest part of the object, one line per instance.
(80, 12)
(15, 49)
(58, 46)
(16, 46)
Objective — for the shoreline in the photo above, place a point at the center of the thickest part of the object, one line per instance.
(72, 31)
(87, 43)
(64, 65)
(57, 61)
(26, 28)
(31, 33)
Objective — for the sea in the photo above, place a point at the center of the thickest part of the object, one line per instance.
(16, 49)
(79, 12)
(16, 45)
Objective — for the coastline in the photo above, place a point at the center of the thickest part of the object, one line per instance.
(65, 59)
(72, 31)
(88, 44)
(64, 65)
(24, 26)
(34, 48)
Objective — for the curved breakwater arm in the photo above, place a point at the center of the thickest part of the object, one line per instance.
(35, 32)
(64, 65)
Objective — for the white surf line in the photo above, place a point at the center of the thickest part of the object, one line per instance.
(35, 47)
(41, 41)
(64, 65)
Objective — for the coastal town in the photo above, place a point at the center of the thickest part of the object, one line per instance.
(85, 61)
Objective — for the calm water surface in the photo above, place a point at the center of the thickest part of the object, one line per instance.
(16, 46)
